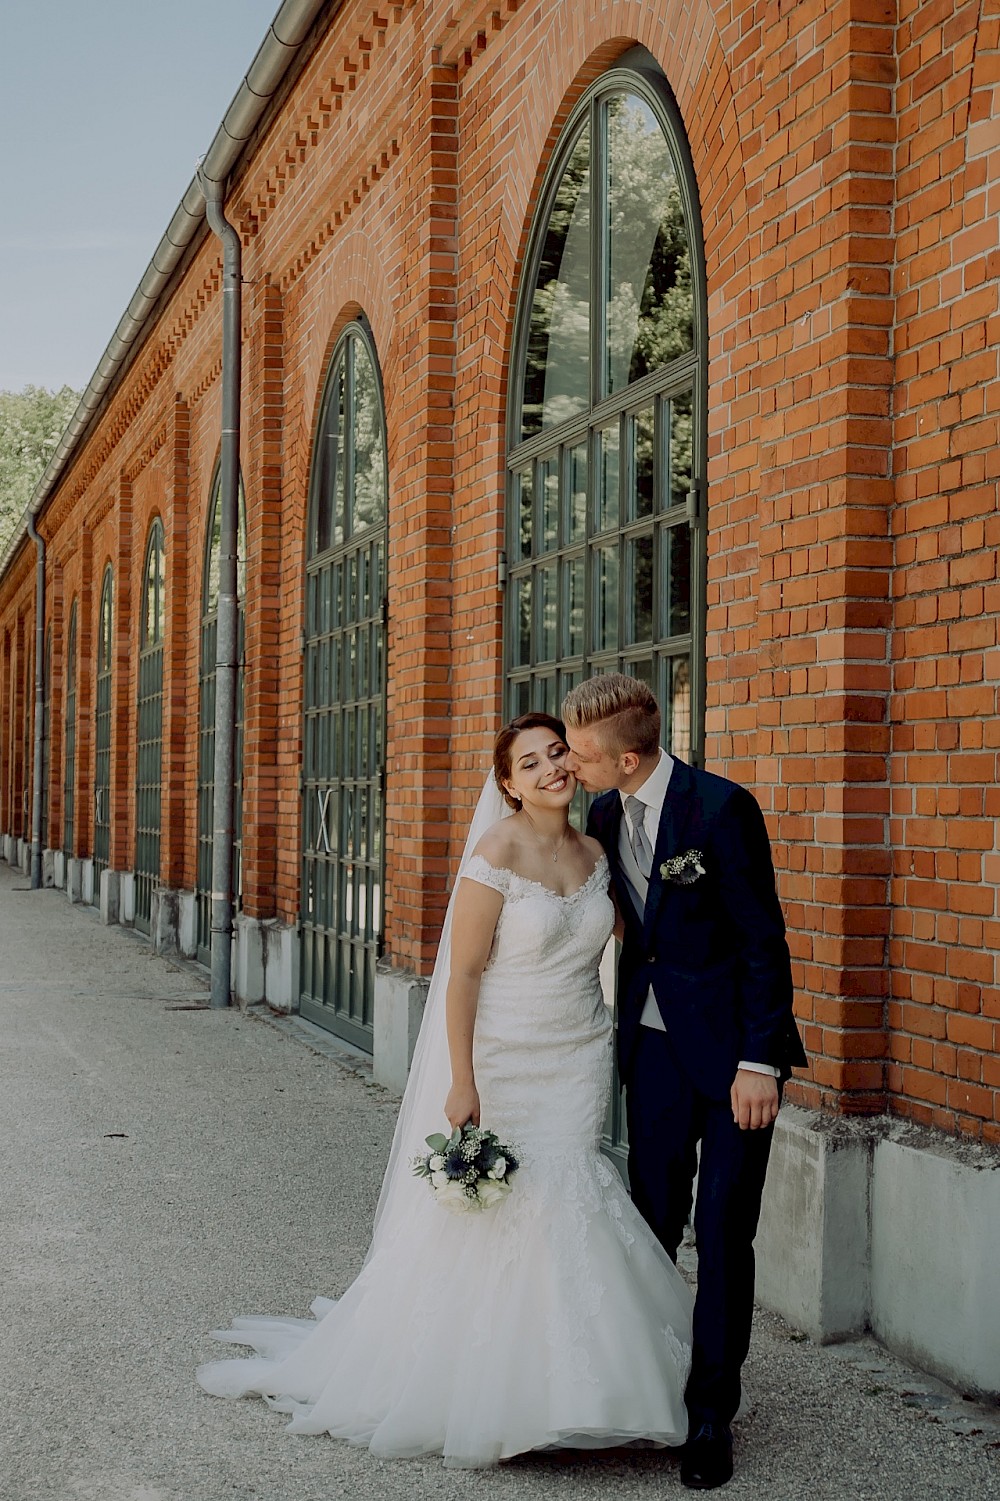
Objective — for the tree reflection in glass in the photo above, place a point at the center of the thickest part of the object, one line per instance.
(370, 481)
(649, 294)
(557, 368)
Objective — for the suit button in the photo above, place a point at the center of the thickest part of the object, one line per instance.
(650, 958)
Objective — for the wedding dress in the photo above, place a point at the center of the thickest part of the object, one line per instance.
(553, 1318)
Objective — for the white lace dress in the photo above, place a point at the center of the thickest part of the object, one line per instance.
(554, 1318)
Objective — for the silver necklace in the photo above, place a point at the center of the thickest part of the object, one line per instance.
(562, 841)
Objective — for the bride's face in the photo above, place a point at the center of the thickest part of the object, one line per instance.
(538, 774)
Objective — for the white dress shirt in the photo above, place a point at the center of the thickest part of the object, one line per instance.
(652, 794)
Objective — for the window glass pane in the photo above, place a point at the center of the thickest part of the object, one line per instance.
(214, 550)
(328, 493)
(546, 582)
(104, 630)
(643, 670)
(640, 576)
(525, 491)
(649, 292)
(522, 620)
(370, 480)
(643, 477)
(607, 478)
(573, 587)
(149, 598)
(549, 474)
(557, 369)
(678, 707)
(576, 523)
(675, 580)
(161, 598)
(153, 601)
(680, 448)
(605, 625)
(210, 602)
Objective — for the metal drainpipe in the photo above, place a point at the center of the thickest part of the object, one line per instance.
(36, 800)
(226, 663)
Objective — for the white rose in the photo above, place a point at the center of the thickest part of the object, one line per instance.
(499, 1168)
(491, 1193)
(436, 1163)
(454, 1197)
(440, 1180)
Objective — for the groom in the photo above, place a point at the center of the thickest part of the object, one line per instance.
(706, 1036)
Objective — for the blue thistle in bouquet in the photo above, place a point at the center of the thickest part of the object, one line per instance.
(468, 1171)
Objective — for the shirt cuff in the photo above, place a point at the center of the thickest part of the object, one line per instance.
(761, 1068)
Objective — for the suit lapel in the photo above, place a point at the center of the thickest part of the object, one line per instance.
(674, 818)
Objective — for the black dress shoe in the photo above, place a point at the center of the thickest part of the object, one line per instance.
(707, 1457)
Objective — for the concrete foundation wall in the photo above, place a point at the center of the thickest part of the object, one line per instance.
(813, 1240)
(266, 963)
(880, 1226)
(935, 1259)
(173, 922)
(399, 1008)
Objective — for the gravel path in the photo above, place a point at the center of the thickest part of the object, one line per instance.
(165, 1167)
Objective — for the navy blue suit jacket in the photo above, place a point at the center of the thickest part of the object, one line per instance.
(714, 951)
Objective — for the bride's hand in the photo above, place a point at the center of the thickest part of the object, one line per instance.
(462, 1105)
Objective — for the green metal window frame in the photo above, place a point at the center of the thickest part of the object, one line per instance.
(46, 737)
(27, 746)
(206, 720)
(570, 536)
(102, 732)
(149, 731)
(69, 740)
(343, 780)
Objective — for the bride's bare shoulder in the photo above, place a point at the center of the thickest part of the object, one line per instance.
(499, 844)
(594, 847)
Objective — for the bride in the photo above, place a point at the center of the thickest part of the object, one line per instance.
(553, 1318)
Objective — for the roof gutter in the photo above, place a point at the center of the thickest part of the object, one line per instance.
(275, 56)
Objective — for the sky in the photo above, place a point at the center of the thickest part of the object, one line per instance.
(105, 107)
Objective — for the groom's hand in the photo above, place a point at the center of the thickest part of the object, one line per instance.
(754, 1098)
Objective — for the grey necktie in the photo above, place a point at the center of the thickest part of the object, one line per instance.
(636, 811)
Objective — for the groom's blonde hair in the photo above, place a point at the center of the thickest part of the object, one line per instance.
(623, 710)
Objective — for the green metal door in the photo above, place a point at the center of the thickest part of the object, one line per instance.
(344, 697)
(607, 424)
(149, 741)
(102, 735)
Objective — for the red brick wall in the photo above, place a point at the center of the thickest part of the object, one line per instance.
(944, 1012)
(846, 158)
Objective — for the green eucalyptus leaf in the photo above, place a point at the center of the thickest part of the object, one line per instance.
(437, 1142)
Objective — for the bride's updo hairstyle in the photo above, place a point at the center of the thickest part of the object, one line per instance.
(621, 709)
(503, 746)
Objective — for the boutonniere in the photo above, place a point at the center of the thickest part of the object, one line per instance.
(683, 870)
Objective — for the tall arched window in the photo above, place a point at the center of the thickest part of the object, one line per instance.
(206, 713)
(344, 696)
(607, 419)
(606, 427)
(149, 738)
(102, 732)
(69, 740)
(27, 743)
(46, 737)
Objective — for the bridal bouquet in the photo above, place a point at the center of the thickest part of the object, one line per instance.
(469, 1170)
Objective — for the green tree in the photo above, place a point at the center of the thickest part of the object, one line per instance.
(31, 423)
